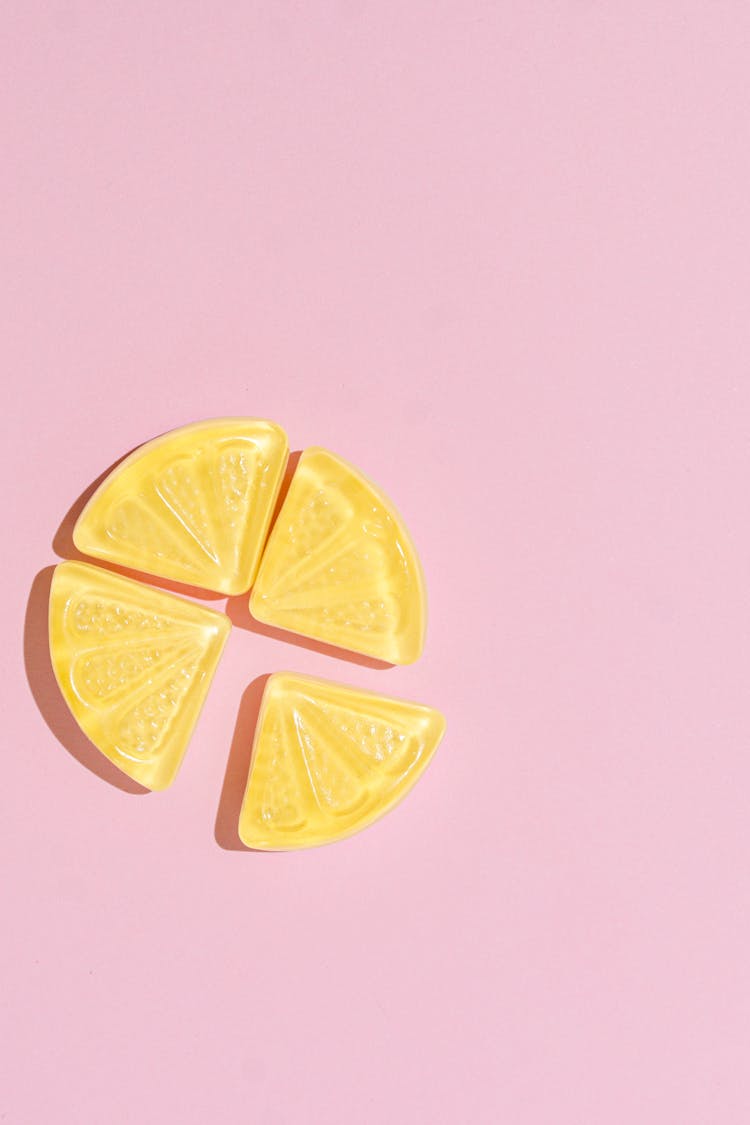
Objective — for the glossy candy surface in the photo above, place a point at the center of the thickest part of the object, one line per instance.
(340, 566)
(193, 505)
(328, 760)
(134, 665)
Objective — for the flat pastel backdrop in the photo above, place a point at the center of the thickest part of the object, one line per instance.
(496, 254)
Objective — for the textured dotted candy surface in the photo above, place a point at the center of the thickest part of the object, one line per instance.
(193, 505)
(328, 760)
(134, 665)
(340, 566)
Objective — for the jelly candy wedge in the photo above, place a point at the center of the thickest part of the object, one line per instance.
(340, 567)
(134, 665)
(193, 505)
(328, 760)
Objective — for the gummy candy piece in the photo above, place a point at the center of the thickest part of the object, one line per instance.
(328, 760)
(134, 665)
(340, 566)
(193, 505)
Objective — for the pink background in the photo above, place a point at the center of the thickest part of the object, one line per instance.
(497, 255)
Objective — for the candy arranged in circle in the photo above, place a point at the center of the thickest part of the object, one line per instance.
(134, 665)
(193, 505)
(340, 566)
(328, 760)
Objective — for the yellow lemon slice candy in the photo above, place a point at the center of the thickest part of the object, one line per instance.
(193, 505)
(328, 760)
(134, 665)
(340, 567)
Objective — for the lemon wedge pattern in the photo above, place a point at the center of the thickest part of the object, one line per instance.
(193, 505)
(340, 566)
(328, 760)
(134, 665)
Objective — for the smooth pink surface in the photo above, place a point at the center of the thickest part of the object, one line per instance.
(496, 255)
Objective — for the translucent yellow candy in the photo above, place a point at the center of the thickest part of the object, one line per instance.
(134, 665)
(328, 760)
(193, 505)
(340, 567)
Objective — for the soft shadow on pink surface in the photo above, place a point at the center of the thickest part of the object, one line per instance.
(47, 694)
(238, 767)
